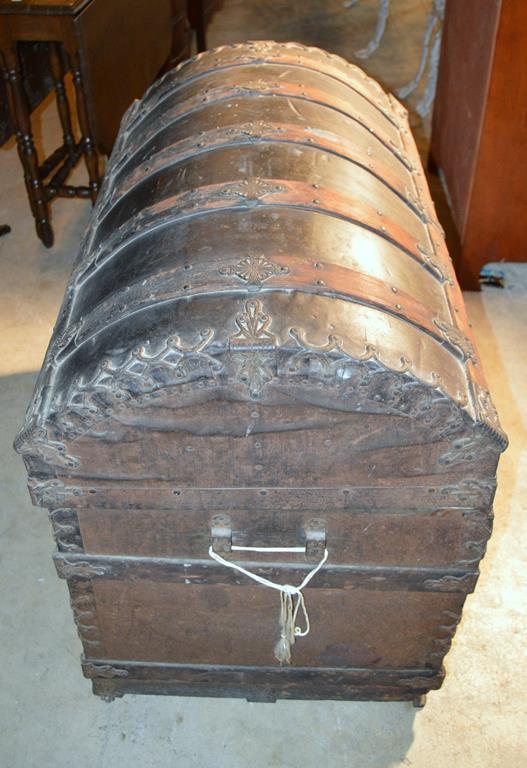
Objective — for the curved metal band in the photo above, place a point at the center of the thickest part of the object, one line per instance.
(249, 135)
(269, 52)
(253, 192)
(243, 62)
(283, 274)
(223, 94)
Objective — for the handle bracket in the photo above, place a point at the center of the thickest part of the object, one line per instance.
(221, 534)
(315, 539)
(314, 530)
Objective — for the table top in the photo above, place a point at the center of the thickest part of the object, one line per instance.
(48, 7)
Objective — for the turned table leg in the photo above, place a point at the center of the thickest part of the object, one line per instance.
(20, 116)
(88, 145)
(57, 71)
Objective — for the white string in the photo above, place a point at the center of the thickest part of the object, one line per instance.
(288, 589)
(267, 549)
(289, 607)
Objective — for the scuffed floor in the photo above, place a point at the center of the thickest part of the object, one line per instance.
(48, 716)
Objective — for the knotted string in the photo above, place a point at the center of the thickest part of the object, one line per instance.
(291, 597)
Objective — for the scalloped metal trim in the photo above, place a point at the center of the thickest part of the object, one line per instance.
(362, 377)
(66, 530)
(271, 53)
(35, 440)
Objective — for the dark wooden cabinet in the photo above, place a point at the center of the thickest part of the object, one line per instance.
(479, 131)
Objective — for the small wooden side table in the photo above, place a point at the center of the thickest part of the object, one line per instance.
(114, 51)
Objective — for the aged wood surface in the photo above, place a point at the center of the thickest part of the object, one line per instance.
(443, 537)
(263, 345)
(214, 623)
(84, 566)
(460, 491)
(111, 679)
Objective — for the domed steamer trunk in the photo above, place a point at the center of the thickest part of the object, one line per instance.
(263, 344)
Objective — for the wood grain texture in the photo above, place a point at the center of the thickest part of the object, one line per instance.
(465, 70)
(479, 127)
(83, 566)
(44, 6)
(443, 537)
(111, 679)
(123, 46)
(214, 624)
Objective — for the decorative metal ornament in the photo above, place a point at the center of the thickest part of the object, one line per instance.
(255, 270)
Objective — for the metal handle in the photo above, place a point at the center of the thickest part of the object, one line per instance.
(314, 529)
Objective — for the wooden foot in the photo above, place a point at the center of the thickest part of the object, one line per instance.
(106, 690)
(419, 701)
(45, 233)
(261, 699)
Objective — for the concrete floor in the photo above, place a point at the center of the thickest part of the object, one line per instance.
(48, 716)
